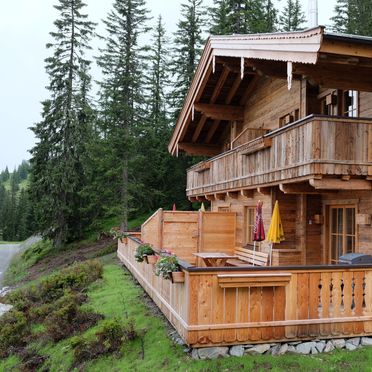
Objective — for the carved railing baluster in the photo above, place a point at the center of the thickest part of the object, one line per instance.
(342, 305)
(331, 307)
(320, 306)
(364, 292)
(353, 295)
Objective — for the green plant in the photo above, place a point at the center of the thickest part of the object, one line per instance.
(68, 320)
(166, 265)
(116, 233)
(14, 329)
(142, 251)
(108, 339)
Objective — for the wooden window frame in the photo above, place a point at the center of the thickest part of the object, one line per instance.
(328, 230)
(248, 235)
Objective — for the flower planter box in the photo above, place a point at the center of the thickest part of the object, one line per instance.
(178, 277)
(152, 259)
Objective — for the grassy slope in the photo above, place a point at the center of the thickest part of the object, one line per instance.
(118, 296)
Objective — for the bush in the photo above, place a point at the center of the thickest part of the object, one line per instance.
(142, 251)
(75, 278)
(39, 313)
(108, 339)
(67, 319)
(14, 329)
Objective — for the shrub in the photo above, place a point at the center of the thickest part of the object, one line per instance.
(14, 329)
(39, 313)
(67, 319)
(108, 339)
(166, 265)
(76, 278)
(142, 251)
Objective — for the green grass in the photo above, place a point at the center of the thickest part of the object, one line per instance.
(3, 242)
(118, 296)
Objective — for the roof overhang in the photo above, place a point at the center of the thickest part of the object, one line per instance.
(303, 49)
(300, 47)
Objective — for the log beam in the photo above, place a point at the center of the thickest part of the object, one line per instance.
(210, 197)
(247, 193)
(221, 112)
(264, 190)
(199, 149)
(220, 196)
(233, 194)
(298, 188)
(339, 184)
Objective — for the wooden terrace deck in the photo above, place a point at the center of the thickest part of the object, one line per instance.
(239, 305)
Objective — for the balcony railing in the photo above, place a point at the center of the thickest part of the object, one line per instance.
(316, 145)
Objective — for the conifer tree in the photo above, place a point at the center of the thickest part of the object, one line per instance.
(292, 16)
(353, 17)
(219, 18)
(188, 44)
(122, 99)
(57, 159)
(243, 17)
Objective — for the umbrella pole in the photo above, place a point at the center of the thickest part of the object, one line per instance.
(271, 253)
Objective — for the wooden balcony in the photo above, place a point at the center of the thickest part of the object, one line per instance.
(310, 151)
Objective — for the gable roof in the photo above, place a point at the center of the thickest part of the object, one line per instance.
(301, 47)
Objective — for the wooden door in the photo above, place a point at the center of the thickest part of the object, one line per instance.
(342, 231)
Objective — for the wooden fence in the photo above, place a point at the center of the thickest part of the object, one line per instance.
(185, 232)
(218, 306)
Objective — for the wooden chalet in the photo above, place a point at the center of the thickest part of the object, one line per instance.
(279, 117)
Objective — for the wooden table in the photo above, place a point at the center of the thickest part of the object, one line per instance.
(214, 259)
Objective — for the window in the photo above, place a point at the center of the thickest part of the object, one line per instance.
(249, 220)
(342, 231)
(350, 103)
(329, 104)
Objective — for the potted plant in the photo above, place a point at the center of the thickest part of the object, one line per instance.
(116, 233)
(168, 268)
(144, 252)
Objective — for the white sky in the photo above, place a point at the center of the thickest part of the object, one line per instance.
(24, 31)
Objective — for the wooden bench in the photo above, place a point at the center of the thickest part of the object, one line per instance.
(248, 256)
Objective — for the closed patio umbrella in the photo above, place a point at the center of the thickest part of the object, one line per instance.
(276, 232)
(258, 228)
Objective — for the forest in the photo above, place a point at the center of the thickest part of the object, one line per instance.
(16, 221)
(105, 156)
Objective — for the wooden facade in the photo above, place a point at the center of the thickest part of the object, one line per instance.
(278, 117)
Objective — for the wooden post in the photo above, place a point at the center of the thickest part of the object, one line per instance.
(160, 227)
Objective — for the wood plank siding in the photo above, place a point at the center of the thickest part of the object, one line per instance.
(313, 146)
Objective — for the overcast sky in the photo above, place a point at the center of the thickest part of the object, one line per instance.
(24, 31)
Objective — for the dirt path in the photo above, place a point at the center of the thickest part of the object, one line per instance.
(7, 251)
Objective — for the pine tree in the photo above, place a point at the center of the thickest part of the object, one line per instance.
(353, 17)
(243, 17)
(219, 18)
(5, 175)
(188, 44)
(57, 159)
(122, 62)
(292, 16)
